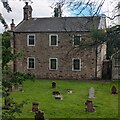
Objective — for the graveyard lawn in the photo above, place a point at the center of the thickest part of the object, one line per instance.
(72, 105)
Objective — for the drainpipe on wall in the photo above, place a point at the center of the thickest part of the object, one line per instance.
(14, 61)
(96, 62)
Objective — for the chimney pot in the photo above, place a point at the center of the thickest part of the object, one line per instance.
(12, 25)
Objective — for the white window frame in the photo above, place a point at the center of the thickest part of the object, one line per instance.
(28, 62)
(73, 64)
(56, 39)
(73, 39)
(50, 63)
(28, 39)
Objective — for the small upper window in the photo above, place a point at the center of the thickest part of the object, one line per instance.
(31, 40)
(53, 40)
(76, 40)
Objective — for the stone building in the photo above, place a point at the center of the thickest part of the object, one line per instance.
(56, 47)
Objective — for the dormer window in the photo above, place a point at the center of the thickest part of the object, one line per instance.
(76, 40)
(53, 40)
(31, 40)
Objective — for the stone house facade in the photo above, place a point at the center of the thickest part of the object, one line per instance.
(55, 47)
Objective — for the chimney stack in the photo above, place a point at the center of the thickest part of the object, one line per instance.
(57, 10)
(12, 25)
(27, 11)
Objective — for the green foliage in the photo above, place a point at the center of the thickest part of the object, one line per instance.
(110, 36)
(9, 77)
(7, 51)
(19, 77)
(5, 92)
(13, 109)
(6, 40)
(113, 44)
(98, 36)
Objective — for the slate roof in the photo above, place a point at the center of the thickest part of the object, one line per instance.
(58, 24)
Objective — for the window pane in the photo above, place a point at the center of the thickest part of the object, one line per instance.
(53, 63)
(31, 40)
(76, 64)
(76, 40)
(31, 63)
(53, 40)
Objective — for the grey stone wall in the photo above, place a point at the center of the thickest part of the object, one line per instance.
(64, 52)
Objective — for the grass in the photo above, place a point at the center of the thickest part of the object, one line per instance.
(72, 105)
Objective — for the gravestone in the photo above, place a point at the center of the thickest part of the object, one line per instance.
(10, 87)
(56, 93)
(59, 97)
(89, 106)
(53, 84)
(39, 115)
(69, 91)
(35, 106)
(114, 90)
(91, 93)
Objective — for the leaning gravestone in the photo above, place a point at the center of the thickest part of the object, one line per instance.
(91, 92)
(53, 84)
(39, 115)
(89, 106)
(35, 106)
(114, 90)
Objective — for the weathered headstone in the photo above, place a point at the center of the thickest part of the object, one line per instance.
(39, 115)
(114, 90)
(91, 92)
(89, 106)
(35, 106)
(56, 93)
(53, 84)
(10, 87)
(60, 97)
(69, 91)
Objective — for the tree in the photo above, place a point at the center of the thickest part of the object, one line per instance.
(9, 9)
(90, 7)
(113, 40)
(10, 107)
(7, 54)
(111, 36)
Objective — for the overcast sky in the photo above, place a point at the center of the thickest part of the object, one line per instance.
(41, 8)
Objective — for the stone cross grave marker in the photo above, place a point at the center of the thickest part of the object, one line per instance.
(92, 92)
